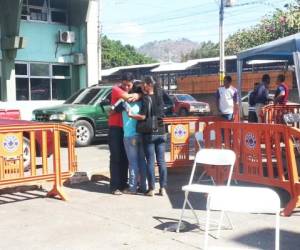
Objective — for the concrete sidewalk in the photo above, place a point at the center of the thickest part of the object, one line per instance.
(95, 219)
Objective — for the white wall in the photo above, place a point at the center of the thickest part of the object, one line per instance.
(92, 43)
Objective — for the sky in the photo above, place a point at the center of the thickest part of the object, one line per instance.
(137, 22)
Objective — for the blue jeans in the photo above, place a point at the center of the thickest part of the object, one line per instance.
(227, 117)
(154, 145)
(137, 162)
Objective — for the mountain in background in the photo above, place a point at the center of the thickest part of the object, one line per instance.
(168, 50)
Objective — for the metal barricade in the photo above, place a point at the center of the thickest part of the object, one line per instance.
(273, 114)
(181, 129)
(44, 141)
(265, 155)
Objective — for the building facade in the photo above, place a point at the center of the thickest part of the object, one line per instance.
(49, 50)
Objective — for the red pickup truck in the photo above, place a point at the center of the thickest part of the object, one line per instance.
(187, 105)
(12, 117)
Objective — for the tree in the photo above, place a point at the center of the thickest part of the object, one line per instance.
(206, 49)
(115, 54)
(280, 24)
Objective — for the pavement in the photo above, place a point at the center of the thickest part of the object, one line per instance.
(92, 218)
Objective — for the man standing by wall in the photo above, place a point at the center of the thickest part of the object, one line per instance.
(227, 99)
(282, 91)
(262, 95)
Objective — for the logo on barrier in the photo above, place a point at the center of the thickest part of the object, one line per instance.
(11, 143)
(250, 140)
(180, 132)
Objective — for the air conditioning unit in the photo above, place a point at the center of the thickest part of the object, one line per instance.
(66, 36)
(78, 59)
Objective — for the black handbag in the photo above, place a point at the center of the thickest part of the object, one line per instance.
(150, 124)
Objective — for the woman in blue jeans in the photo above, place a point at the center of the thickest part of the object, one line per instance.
(134, 150)
(154, 143)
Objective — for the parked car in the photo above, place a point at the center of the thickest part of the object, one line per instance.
(87, 110)
(11, 117)
(245, 104)
(187, 105)
(169, 107)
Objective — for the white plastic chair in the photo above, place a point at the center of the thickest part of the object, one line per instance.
(201, 144)
(215, 157)
(244, 200)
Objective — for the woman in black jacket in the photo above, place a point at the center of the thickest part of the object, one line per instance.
(154, 142)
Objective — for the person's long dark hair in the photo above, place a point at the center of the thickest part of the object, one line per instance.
(158, 93)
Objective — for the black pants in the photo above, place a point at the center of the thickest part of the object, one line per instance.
(118, 159)
(252, 117)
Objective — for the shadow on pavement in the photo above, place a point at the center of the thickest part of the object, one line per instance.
(265, 239)
(170, 224)
(178, 177)
(98, 184)
(21, 193)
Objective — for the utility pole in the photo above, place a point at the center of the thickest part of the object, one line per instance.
(99, 40)
(223, 4)
(221, 43)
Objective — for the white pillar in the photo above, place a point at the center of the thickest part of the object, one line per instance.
(92, 43)
(239, 78)
(296, 56)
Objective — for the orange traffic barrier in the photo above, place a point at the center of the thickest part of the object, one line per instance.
(42, 140)
(265, 155)
(181, 129)
(274, 113)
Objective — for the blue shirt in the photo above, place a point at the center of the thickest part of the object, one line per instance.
(129, 124)
(262, 94)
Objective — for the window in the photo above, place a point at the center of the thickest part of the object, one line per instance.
(61, 70)
(39, 3)
(61, 89)
(37, 14)
(86, 96)
(40, 89)
(45, 10)
(184, 98)
(58, 4)
(39, 69)
(58, 16)
(22, 87)
(21, 69)
(40, 81)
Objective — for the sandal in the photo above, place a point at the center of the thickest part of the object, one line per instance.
(117, 192)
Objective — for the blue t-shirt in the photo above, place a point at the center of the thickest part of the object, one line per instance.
(129, 124)
(262, 94)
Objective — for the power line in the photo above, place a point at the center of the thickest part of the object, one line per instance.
(154, 17)
(232, 12)
(191, 29)
(191, 15)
